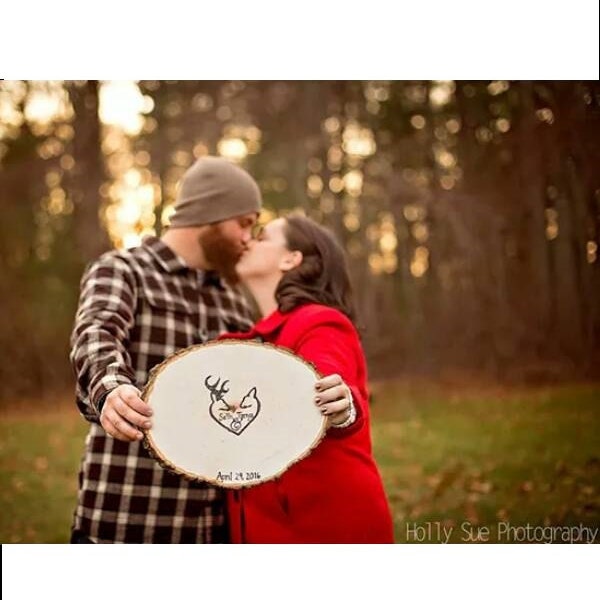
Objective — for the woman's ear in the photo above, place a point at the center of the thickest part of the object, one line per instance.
(291, 260)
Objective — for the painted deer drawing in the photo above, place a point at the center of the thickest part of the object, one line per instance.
(234, 417)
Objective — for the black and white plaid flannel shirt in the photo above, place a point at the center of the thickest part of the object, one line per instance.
(136, 308)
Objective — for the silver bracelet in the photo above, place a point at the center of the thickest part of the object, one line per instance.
(351, 416)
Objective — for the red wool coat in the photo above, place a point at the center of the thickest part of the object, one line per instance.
(335, 494)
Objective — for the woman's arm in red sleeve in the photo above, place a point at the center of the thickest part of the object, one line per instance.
(332, 347)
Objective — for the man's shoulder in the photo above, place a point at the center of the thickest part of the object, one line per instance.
(131, 265)
(138, 256)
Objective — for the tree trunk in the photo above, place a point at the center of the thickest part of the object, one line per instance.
(88, 173)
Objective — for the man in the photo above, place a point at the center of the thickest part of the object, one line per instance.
(136, 308)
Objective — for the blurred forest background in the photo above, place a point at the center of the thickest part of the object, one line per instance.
(470, 210)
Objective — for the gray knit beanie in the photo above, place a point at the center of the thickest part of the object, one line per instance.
(213, 189)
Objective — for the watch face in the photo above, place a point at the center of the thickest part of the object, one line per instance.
(233, 413)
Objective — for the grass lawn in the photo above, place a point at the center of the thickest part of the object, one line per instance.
(469, 460)
(453, 459)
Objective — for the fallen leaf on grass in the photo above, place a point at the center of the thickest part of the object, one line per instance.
(446, 479)
(481, 487)
(526, 487)
(471, 513)
(40, 463)
(502, 514)
(561, 468)
(18, 484)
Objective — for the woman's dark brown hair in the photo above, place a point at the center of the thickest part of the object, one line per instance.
(322, 277)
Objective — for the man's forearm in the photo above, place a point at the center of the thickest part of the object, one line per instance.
(104, 319)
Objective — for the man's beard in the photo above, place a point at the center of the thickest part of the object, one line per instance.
(222, 254)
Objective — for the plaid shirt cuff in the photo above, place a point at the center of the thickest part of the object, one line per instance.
(106, 385)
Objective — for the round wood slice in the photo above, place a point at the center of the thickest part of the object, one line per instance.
(233, 413)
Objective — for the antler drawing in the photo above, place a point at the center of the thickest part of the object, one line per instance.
(217, 394)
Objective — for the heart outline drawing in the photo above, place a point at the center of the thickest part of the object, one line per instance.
(235, 418)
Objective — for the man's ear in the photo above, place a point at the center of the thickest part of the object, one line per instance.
(291, 260)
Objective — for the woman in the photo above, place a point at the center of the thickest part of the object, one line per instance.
(296, 271)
